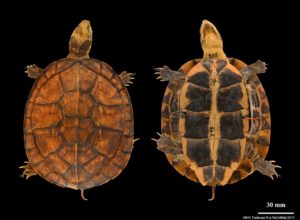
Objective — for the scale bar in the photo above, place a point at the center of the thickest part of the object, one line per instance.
(276, 213)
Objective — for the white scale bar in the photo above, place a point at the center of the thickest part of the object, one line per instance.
(276, 213)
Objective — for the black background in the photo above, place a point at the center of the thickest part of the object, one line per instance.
(138, 38)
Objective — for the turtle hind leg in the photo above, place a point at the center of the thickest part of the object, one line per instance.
(28, 170)
(126, 78)
(166, 74)
(169, 145)
(266, 167)
(33, 71)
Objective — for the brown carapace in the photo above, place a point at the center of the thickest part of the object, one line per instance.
(215, 118)
(78, 123)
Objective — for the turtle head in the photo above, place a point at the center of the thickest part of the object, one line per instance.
(211, 41)
(81, 40)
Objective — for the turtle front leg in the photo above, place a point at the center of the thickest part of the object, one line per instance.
(251, 70)
(166, 74)
(28, 170)
(126, 78)
(265, 167)
(33, 71)
(169, 145)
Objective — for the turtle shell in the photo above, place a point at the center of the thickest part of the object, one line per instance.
(170, 122)
(78, 124)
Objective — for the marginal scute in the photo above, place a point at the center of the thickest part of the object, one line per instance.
(265, 108)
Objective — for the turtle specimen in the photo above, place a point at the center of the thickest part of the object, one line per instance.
(78, 123)
(215, 118)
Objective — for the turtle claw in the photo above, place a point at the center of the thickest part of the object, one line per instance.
(28, 170)
(134, 140)
(126, 78)
(267, 168)
(168, 145)
(33, 71)
(166, 74)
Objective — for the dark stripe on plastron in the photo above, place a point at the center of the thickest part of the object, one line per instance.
(228, 78)
(200, 79)
(208, 173)
(220, 65)
(228, 99)
(232, 126)
(228, 151)
(220, 171)
(199, 152)
(200, 99)
(196, 126)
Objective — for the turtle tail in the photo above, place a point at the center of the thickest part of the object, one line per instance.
(213, 189)
(82, 195)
